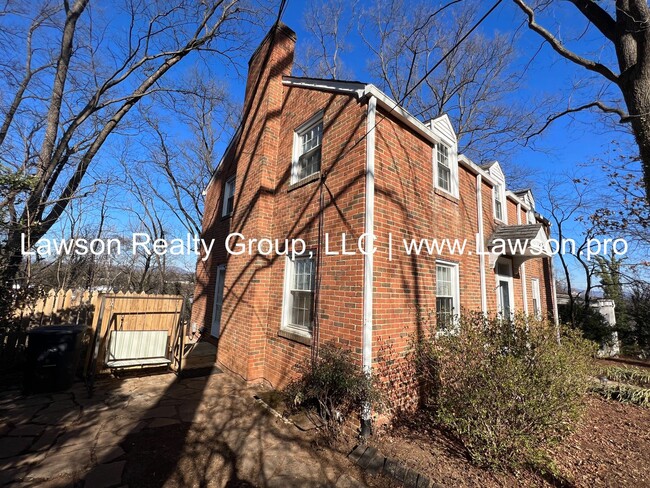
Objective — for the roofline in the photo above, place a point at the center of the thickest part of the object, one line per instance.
(361, 91)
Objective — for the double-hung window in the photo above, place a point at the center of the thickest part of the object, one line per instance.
(307, 149)
(447, 295)
(537, 302)
(299, 279)
(499, 202)
(443, 168)
(228, 197)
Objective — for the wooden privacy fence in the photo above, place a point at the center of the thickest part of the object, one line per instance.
(61, 306)
(102, 312)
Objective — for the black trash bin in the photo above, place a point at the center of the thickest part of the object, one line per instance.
(53, 354)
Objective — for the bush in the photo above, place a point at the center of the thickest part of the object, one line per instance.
(633, 376)
(334, 386)
(623, 393)
(505, 389)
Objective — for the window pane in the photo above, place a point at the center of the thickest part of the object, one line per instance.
(444, 281)
(312, 138)
(444, 311)
(443, 155)
(444, 177)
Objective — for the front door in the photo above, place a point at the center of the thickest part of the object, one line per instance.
(505, 295)
(218, 301)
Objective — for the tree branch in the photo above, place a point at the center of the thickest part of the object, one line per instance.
(625, 117)
(561, 49)
(597, 16)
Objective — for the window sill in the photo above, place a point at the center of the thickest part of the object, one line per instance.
(446, 195)
(295, 337)
(305, 181)
(226, 217)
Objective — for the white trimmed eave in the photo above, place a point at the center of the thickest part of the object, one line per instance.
(362, 90)
(355, 88)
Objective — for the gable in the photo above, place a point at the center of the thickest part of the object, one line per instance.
(442, 127)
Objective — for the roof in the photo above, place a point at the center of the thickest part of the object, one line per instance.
(361, 90)
(520, 240)
(528, 231)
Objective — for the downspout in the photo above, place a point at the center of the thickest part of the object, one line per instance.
(481, 256)
(556, 317)
(524, 288)
(366, 342)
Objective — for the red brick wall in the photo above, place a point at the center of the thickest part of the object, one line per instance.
(407, 205)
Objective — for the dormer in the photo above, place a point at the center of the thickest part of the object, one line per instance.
(500, 209)
(526, 196)
(445, 156)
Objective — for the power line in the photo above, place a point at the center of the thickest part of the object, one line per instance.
(448, 53)
(423, 78)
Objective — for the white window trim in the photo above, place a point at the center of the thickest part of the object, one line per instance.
(224, 207)
(456, 294)
(504, 203)
(530, 217)
(453, 166)
(511, 288)
(297, 145)
(286, 290)
(536, 294)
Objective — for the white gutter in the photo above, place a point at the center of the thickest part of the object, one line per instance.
(369, 231)
(524, 289)
(479, 206)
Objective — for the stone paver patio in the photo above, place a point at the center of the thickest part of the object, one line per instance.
(158, 431)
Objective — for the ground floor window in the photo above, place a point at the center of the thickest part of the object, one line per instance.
(537, 302)
(447, 295)
(299, 279)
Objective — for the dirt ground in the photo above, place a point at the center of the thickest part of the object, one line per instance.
(611, 447)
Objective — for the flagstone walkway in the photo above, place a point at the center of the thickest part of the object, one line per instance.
(159, 431)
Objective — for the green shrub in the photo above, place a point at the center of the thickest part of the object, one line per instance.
(633, 376)
(505, 389)
(623, 393)
(334, 386)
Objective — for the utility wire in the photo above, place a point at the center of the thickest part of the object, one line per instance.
(423, 78)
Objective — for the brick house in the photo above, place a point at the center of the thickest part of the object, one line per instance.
(327, 161)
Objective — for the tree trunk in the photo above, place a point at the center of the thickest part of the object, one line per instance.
(637, 99)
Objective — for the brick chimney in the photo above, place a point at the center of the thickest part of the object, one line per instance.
(256, 181)
(272, 59)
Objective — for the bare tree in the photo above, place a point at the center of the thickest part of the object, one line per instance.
(182, 154)
(329, 28)
(624, 31)
(567, 203)
(84, 70)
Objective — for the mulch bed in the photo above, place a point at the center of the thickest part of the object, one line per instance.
(611, 447)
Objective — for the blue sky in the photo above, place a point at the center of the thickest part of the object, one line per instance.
(564, 147)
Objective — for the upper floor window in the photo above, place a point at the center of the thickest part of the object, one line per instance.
(447, 295)
(307, 149)
(446, 169)
(499, 202)
(228, 197)
(531, 217)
